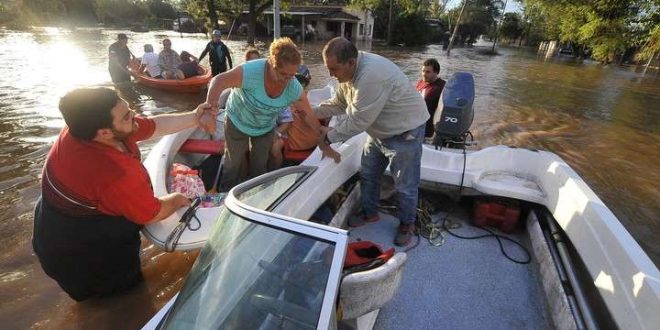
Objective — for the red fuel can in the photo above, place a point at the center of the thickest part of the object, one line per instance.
(501, 215)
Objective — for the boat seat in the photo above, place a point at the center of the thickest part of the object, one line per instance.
(363, 293)
(203, 146)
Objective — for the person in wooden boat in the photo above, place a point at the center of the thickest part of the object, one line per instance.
(261, 88)
(96, 195)
(169, 60)
(219, 54)
(378, 98)
(252, 54)
(149, 62)
(119, 57)
(430, 86)
(189, 66)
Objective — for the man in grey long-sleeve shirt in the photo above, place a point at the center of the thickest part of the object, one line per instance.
(378, 98)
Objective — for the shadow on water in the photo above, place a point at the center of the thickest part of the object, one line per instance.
(604, 121)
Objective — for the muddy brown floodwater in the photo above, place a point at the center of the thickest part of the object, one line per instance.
(603, 121)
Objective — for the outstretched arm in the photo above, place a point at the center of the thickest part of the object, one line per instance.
(206, 50)
(172, 123)
(229, 79)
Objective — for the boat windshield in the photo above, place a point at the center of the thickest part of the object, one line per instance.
(258, 271)
(264, 195)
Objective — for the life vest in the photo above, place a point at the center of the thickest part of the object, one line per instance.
(365, 255)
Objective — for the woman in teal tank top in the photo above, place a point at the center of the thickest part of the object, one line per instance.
(260, 90)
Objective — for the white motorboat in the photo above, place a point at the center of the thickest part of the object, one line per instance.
(267, 266)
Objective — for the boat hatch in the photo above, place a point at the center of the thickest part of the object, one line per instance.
(260, 270)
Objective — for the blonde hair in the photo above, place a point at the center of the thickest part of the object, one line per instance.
(283, 51)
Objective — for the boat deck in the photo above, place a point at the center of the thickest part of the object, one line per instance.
(462, 284)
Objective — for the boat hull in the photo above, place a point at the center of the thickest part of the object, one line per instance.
(194, 84)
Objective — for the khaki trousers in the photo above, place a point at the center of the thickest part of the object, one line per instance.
(237, 145)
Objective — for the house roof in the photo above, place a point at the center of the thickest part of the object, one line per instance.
(325, 12)
(340, 16)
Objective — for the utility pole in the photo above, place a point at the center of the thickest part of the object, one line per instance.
(276, 19)
(497, 27)
(458, 22)
(389, 26)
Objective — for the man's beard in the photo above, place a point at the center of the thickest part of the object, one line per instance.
(122, 136)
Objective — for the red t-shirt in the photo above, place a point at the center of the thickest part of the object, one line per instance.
(431, 93)
(86, 177)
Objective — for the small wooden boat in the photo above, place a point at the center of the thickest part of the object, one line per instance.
(189, 85)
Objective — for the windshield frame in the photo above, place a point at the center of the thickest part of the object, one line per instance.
(337, 236)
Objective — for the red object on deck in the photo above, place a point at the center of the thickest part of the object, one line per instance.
(504, 216)
(203, 146)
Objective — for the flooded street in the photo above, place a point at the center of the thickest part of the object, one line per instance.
(603, 121)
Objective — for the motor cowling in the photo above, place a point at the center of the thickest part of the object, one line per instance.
(455, 113)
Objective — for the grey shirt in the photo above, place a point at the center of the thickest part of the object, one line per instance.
(379, 100)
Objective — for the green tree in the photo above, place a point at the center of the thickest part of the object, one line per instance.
(229, 9)
(162, 9)
(478, 18)
(512, 26)
(652, 45)
(607, 28)
(120, 12)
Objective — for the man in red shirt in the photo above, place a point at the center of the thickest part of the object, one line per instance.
(430, 86)
(96, 195)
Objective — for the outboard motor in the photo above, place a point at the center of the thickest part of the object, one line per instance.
(454, 114)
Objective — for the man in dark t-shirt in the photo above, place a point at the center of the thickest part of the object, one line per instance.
(218, 54)
(119, 57)
(430, 86)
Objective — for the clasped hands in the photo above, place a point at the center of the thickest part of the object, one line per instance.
(205, 115)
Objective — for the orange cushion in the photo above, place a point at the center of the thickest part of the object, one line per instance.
(295, 155)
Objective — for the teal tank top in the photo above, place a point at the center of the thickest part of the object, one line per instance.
(250, 109)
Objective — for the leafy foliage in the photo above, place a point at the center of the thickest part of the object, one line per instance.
(512, 26)
(85, 12)
(607, 28)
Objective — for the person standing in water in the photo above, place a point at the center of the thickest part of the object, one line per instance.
(218, 54)
(119, 57)
(96, 194)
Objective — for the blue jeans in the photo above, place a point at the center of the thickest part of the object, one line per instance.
(403, 153)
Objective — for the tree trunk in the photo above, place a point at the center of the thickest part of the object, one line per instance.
(648, 63)
(213, 14)
(497, 27)
(366, 19)
(458, 22)
(389, 26)
(252, 22)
